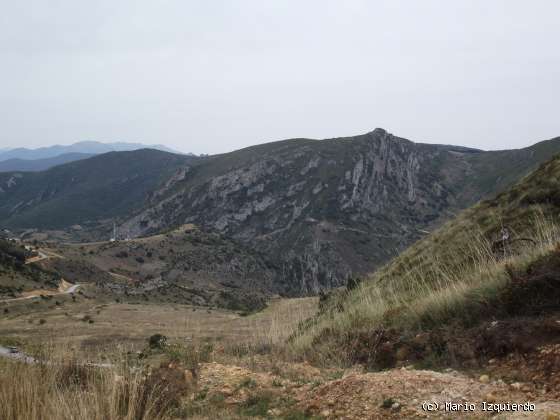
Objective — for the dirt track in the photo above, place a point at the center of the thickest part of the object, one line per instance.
(64, 288)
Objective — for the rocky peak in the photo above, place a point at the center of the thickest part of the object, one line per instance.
(322, 210)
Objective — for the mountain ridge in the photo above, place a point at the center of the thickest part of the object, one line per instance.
(104, 186)
(89, 147)
(37, 165)
(322, 211)
(335, 208)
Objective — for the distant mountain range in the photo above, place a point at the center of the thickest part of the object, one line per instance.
(23, 159)
(35, 165)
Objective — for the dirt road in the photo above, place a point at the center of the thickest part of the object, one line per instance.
(64, 288)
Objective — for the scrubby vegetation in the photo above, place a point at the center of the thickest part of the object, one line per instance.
(159, 382)
(10, 252)
(59, 387)
(460, 275)
(16, 276)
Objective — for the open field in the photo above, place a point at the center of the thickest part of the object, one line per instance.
(89, 325)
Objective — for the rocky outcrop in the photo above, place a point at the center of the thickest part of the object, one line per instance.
(322, 211)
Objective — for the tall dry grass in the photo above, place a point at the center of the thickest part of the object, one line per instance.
(268, 331)
(59, 387)
(430, 284)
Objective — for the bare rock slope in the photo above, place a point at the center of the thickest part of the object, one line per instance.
(324, 211)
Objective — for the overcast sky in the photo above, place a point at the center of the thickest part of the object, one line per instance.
(214, 76)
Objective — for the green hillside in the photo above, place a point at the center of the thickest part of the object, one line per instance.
(104, 186)
(463, 274)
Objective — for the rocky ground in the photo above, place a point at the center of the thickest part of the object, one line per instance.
(299, 390)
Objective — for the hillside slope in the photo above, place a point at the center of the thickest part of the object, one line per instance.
(16, 276)
(185, 265)
(28, 165)
(484, 285)
(104, 186)
(525, 210)
(332, 209)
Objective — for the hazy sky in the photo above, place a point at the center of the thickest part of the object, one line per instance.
(212, 76)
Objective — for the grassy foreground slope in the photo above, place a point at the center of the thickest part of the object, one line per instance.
(461, 275)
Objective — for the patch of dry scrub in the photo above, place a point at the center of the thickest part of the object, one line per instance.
(61, 388)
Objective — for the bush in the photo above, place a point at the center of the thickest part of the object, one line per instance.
(388, 403)
(12, 250)
(256, 405)
(157, 341)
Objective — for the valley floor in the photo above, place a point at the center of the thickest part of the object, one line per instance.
(244, 375)
(90, 325)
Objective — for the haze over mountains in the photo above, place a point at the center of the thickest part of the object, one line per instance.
(319, 212)
(32, 165)
(23, 159)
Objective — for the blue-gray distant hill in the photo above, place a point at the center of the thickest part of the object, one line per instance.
(84, 147)
(28, 165)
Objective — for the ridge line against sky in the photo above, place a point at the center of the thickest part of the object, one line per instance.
(171, 150)
(218, 76)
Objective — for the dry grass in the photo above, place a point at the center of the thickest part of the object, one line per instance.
(280, 320)
(428, 286)
(130, 325)
(60, 388)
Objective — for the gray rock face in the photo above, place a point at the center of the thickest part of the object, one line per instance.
(322, 211)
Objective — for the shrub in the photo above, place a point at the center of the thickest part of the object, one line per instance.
(257, 405)
(157, 341)
(388, 403)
